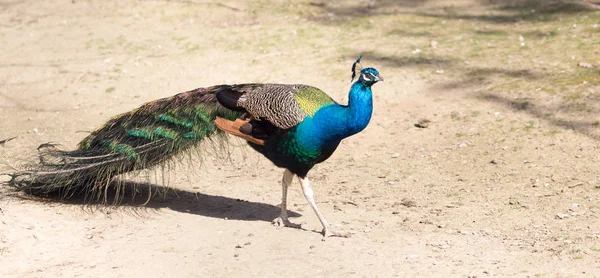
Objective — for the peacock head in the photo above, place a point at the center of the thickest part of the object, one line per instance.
(366, 76)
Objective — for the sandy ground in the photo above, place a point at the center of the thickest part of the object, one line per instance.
(478, 193)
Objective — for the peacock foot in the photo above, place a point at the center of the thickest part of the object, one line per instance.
(332, 233)
(284, 222)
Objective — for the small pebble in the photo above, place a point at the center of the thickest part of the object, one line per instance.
(408, 202)
(423, 123)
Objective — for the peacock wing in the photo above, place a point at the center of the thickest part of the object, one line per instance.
(311, 99)
(283, 105)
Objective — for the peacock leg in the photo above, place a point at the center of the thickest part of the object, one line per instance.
(282, 220)
(308, 193)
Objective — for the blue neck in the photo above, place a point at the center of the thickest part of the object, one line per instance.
(360, 107)
(335, 122)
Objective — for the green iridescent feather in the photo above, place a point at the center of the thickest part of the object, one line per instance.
(142, 138)
(311, 100)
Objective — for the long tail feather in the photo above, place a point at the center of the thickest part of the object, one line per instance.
(139, 139)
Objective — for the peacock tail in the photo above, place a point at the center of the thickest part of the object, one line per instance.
(139, 139)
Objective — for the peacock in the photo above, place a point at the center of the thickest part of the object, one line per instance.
(294, 126)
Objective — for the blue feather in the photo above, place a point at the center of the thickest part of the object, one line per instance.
(332, 123)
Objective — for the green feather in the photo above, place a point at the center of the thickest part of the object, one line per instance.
(192, 135)
(202, 115)
(311, 100)
(163, 132)
(173, 120)
(140, 133)
(124, 149)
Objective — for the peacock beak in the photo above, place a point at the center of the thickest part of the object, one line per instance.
(378, 78)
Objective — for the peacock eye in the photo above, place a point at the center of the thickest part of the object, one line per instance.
(368, 76)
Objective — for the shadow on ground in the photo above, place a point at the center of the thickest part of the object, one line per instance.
(139, 197)
(408, 60)
(546, 113)
(516, 11)
(498, 11)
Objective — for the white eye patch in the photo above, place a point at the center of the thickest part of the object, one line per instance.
(364, 76)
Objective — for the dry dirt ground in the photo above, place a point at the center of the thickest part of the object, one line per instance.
(503, 182)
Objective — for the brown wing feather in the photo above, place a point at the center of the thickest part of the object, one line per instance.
(233, 128)
(275, 103)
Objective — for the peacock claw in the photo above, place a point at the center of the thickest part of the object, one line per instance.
(332, 233)
(284, 222)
